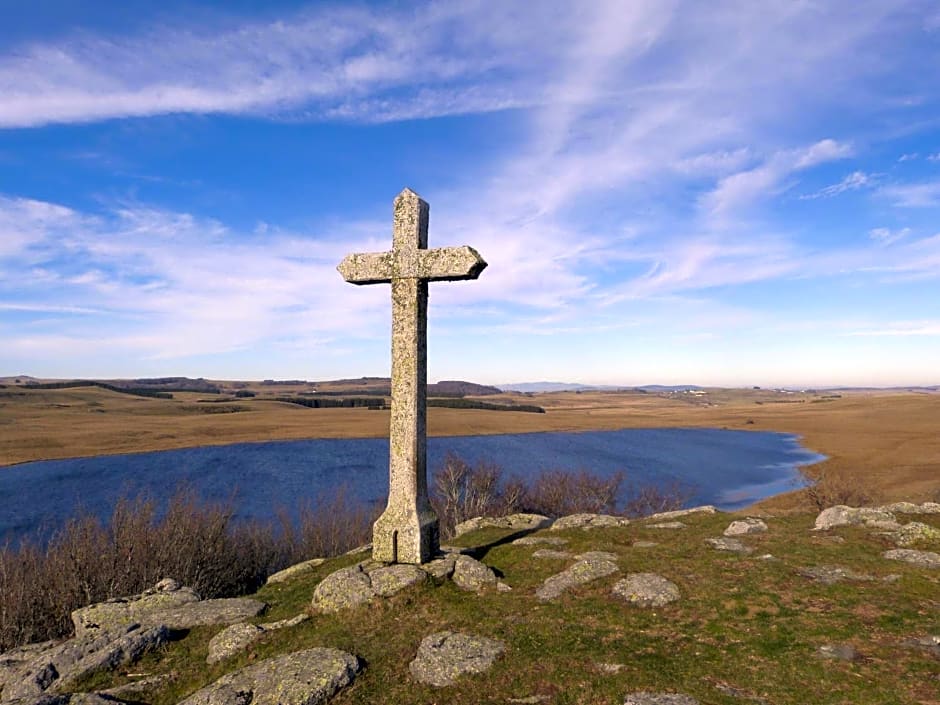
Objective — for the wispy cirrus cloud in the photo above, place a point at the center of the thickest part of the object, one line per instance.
(852, 182)
(916, 195)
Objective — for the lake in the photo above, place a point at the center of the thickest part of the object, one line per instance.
(729, 469)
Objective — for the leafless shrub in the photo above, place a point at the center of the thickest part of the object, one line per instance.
(329, 527)
(651, 499)
(557, 493)
(460, 491)
(827, 488)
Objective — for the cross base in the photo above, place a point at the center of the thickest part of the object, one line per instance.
(403, 536)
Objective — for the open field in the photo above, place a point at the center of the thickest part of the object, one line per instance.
(891, 441)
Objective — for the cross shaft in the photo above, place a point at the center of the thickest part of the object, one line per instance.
(407, 532)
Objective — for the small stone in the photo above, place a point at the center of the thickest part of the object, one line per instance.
(503, 587)
(471, 575)
(644, 698)
(531, 700)
(597, 556)
(644, 544)
(931, 644)
(924, 559)
(842, 652)
(445, 656)
(731, 545)
(609, 668)
(535, 540)
(646, 590)
(745, 527)
(831, 574)
(549, 554)
(167, 585)
(285, 623)
(667, 525)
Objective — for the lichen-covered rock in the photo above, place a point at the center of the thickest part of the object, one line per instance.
(136, 609)
(441, 568)
(167, 604)
(730, 545)
(924, 559)
(294, 570)
(470, 574)
(445, 656)
(646, 590)
(841, 515)
(519, 522)
(53, 669)
(831, 574)
(915, 533)
(745, 527)
(679, 513)
(911, 508)
(588, 521)
(536, 540)
(392, 579)
(930, 644)
(840, 652)
(70, 699)
(552, 555)
(302, 678)
(646, 698)
(346, 588)
(581, 573)
(232, 640)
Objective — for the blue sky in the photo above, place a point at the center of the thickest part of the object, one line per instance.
(727, 193)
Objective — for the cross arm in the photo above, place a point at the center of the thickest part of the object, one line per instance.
(367, 268)
(450, 264)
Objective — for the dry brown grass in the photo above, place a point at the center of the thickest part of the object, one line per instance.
(888, 441)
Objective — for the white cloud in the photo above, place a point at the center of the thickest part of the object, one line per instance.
(886, 236)
(901, 329)
(934, 157)
(910, 156)
(853, 182)
(920, 195)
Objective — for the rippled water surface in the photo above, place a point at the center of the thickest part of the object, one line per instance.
(727, 468)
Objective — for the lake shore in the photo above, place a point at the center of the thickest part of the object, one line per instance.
(887, 440)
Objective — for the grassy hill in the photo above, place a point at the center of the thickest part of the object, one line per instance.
(748, 628)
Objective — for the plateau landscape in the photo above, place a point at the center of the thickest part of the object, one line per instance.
(469, 352)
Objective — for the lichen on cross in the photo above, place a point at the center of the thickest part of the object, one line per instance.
(407, 532)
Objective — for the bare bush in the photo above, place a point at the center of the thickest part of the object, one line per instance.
(651, 499)
(460, 491)
(556, 493)
(827, 488)
(329, 527)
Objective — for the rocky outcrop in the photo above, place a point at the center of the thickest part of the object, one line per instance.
(923, 559)
(645, 698)
(294, 571)
(679, 513)
(358, 584)
(832, 574)
(590, 567)
(53, 668)
(745, 527)
(470, 574)
(841, 515)
(914, 533)
(446, 656)
(588, 521)
(303, 678)
(516, 522)
(536, 540)
(729, 545)
(166, 604)
(646, 590)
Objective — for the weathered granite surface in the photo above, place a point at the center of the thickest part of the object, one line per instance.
(646, 698)
(446, 656)
(294, 570)
(744, 527)
(360, 583)
(470, 574)
(584, 571)
(841, 515)
(589, 521)
(924, 559)
(729, 544)
(831, 574)
(516, 522)
(646, 590)
(302, 678)
(679, 513)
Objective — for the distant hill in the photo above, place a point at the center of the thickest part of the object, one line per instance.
(577, 387)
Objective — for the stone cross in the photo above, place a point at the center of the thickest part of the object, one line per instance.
(407, 532)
